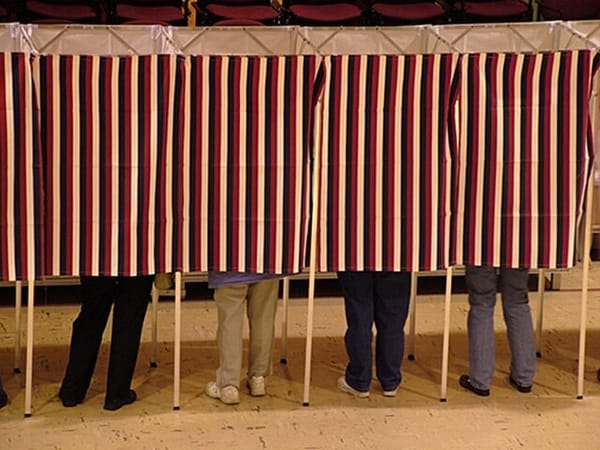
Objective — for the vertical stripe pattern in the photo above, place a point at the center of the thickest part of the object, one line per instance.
(107, 126)
(21, 192)
(525, 158)
(386, 163)
(247, 161)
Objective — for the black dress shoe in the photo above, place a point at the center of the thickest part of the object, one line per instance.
(3, 396)
(70, 399)
(518, 387)
(70, 402)
(116, 403)
(465, 382)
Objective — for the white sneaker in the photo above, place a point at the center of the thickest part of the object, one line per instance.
(257, 386)
(345, 387)
(230, 395)
(391, 393)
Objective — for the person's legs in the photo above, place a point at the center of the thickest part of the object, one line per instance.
(131, 303)
(517, 315)
(262, 307)
(97, 297)
(392, 297)
(481, 284)
(231, 302)
(358, 290)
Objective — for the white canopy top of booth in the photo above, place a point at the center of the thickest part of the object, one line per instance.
(286, 40)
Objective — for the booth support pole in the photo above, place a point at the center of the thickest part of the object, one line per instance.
(29, 369)
(155, 295)
(540, 312)
(413, 316)
(446, 339)
(585, 281)
(313, 266)
(284, 320)
(177, 343)
(18, 305)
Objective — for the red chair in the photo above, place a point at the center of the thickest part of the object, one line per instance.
(211, 11)
(329, 13)
(568, 9)
(63, 11)
(238, 23)
(492, 10)
(172, 12)
(4, 13)
(401, 12)
(8, 10)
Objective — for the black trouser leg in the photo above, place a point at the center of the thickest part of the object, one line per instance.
(97, 296)
(131, 303)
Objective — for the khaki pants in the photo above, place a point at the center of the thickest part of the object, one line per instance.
(260, 302)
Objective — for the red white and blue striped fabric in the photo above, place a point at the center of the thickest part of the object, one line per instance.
(525, 158)
(385, 191)
(247, 162)
(21, 207)
(107, 126)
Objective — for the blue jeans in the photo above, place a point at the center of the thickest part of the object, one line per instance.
(381, 298)
(482, 284)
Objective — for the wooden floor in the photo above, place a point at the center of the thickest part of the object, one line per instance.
(548, 418)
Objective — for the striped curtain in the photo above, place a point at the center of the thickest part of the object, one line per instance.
(525, 158)
(387, 160)
(107, 127)
(246, 162)
(21, 201)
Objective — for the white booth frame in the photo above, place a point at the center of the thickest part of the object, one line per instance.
(292, 40)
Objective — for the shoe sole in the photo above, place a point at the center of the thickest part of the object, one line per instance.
(344, 387)
(518, 387)
(465, 382)
(257, 392)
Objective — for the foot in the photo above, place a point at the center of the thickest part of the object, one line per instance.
(230, 395)
(3, 396)
(70, 402)
(465, 382)
(116, 403)
(343, 386)
(391, 392)
(257, 386)
(519, 387)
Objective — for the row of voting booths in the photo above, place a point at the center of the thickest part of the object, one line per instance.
(129, 150)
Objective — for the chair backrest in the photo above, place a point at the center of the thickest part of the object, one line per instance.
(528, 2)
(178, 3)
(93, 3)
(317, 2)
(568, 9)
(399, 2)
(238, 23)
(237, 2)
